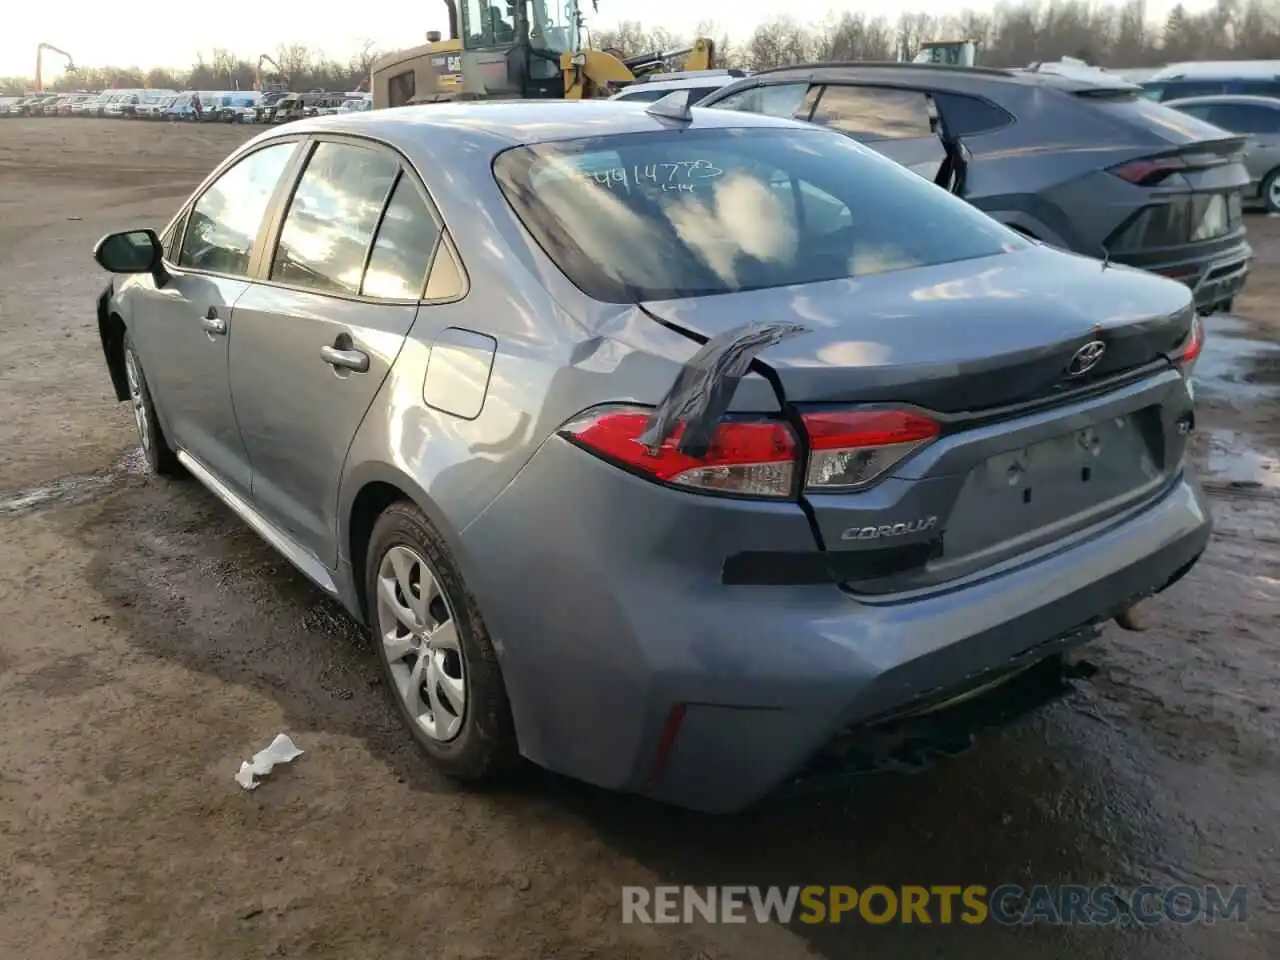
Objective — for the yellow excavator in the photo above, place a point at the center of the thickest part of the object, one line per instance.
(954, 53)
(528, 49)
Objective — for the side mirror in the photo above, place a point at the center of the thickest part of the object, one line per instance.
(133, 251)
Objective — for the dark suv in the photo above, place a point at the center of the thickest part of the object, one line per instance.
(1092, 166)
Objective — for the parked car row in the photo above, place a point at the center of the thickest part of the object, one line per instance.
(214, 106)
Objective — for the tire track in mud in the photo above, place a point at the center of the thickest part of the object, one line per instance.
(73, 489)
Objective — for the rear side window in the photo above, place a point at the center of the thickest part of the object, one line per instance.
(690, 213)
(332, 216)
(644, 96)
(774, 100)
(406, 239)
(1257, 88)
(969, 116)
(1198, 110)
(874, 113)
(1178, 89)
(223, 226)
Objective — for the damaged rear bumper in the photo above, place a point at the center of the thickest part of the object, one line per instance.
(630, 664)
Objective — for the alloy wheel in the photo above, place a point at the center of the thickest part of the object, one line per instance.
(420, 639)
(137, 399)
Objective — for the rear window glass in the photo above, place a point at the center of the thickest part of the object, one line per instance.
(1165, 122)
(687, 213)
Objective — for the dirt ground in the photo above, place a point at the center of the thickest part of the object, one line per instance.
(149, 642)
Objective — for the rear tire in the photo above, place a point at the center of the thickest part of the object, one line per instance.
(438, 662)
(1269, 192)
(160, 457)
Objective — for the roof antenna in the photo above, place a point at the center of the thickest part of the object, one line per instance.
(674, 106)
(1106, 257)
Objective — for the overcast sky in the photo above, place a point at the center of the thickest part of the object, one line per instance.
(158, 36)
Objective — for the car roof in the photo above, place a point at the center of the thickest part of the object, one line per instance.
(897, 72)
(1243, 98)
(501, 124)
(1218, 70)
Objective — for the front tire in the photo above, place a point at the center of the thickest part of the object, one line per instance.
(437, 660)
(160, 456)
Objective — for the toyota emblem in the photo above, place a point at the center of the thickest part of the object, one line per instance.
(1086, 358)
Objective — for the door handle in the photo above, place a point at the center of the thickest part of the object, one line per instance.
(213, 323)
(349, 359)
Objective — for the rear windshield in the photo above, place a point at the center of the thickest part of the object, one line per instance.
(1163, 121)
(687, 213)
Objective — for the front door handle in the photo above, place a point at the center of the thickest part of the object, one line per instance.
(348, 359)
(213, 323)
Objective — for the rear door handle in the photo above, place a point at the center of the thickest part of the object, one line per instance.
(214, 324)
(349, 359)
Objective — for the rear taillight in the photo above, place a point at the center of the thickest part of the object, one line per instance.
(759, 456)
(850, 449)
(1192, 348)
(747, 457)
(1146, 173)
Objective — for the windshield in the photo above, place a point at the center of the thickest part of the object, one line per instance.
(687, 213)
(553, 25)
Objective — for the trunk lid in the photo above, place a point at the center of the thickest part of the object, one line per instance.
(1027, 455)
(954, 338)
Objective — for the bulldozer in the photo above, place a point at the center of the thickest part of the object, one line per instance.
(528, 49)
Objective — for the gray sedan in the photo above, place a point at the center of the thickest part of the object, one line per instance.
(1258, 118)
(661, 447)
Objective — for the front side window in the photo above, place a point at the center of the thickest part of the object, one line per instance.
(407, 238)
(693, 213)
(223, 226)
(874, 113)
(1245, 118)
(332, 216)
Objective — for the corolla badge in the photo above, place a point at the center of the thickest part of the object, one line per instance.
(900, 529)
(1086, 358)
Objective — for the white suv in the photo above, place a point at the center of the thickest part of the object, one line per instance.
(658, 85)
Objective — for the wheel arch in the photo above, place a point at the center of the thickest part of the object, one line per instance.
(368, 491)
(111, 330)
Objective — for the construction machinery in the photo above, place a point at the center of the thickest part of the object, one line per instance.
(40, 49)
(277, 82)
(953, 53)
(528, 49)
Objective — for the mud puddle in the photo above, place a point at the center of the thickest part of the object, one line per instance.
(1231, 459)
(73, 489)
(1235, 364)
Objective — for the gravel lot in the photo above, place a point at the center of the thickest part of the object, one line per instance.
(150, 642)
